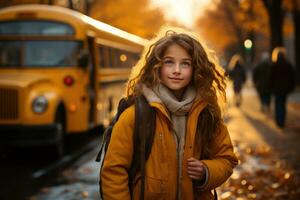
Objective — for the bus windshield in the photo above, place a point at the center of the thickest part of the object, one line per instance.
(39, 53)
(35, 27)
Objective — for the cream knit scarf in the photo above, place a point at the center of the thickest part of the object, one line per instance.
(178, 111)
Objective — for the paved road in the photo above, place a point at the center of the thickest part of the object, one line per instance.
(25, 171)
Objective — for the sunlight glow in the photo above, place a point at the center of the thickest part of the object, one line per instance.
(182, 11)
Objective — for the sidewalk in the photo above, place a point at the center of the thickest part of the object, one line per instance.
(269, 156)
(294, 109)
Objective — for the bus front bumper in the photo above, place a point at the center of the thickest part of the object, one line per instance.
(23, 135)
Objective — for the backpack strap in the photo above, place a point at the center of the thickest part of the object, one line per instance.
(215, 195)
(144, 130)
(123, 104)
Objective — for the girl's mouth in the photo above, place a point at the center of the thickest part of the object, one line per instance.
(175, 79)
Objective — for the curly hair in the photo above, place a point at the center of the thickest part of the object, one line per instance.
(208, 77)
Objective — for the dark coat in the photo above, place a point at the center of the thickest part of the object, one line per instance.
(282, 79)
(238, 76)
(261, 77)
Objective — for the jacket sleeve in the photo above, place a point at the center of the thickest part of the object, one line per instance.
(223, 160)
(114, 176)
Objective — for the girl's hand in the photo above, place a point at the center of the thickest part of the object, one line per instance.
(195, 169)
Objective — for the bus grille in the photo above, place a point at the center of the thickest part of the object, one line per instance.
(8, 104)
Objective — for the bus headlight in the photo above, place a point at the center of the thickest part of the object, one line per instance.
(39, 104)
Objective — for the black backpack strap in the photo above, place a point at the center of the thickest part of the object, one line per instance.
(215, 195)
(123, 104)
(144, 130)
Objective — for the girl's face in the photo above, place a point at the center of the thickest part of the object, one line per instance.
(177, 70)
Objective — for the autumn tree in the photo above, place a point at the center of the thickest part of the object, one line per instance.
(218, 25)
(134, 16)
(226, 25)
(296, 18)
(276, 16)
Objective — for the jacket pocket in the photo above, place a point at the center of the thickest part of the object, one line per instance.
(155, 189)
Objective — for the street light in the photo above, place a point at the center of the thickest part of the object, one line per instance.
(248, 44)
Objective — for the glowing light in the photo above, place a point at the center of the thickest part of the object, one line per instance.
(123, 57)
(99, 106)
(182, 11)
(248, 44)
(250, 187)
(72, 107)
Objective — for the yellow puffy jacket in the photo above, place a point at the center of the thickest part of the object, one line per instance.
(161, 166)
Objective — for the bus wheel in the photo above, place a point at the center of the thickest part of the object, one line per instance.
(59, 146)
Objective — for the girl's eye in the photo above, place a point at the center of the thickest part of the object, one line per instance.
(168, 62)
(186, 64)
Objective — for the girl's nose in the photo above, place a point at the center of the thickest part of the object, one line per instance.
(177, 68)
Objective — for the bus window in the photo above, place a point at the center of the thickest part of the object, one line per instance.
(39, 53)
(132, 59)
(116, 58)
(102, 57)
(111, 57)
(123, 58)
(10, 53)
(118, 63)
(135, 58)
(106, 57)
(51, 53)
(37, 27)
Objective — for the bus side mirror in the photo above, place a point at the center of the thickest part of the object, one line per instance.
(83, 59)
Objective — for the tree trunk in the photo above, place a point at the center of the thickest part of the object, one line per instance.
(275, 13)
(236, 27)
(276, 24)
(296, 17)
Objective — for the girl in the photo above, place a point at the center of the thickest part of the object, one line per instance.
(192, 152)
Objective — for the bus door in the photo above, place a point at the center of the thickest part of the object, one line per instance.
(93, 76)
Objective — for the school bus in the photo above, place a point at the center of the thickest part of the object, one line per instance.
(61, 72)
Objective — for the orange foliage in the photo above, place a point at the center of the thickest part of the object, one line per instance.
(217, 31)
(227, 23)
(134, 16)
(290, 6)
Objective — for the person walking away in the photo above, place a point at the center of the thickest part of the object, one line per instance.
(282, 82)
(192, 152)
(237, 74)
(260, 79)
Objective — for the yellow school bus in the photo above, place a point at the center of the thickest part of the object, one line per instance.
(61, 72)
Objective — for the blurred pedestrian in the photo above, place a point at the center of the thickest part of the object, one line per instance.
(261, 79)
(192, 152)
(237, 74)
(282, 82)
